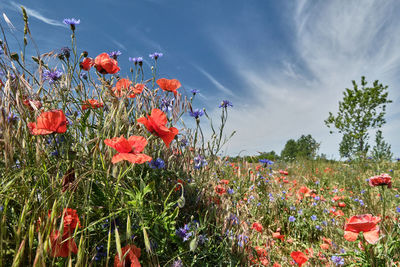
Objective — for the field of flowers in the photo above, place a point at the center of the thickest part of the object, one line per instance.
(99, 169)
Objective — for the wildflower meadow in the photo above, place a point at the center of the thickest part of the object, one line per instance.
(105, 166)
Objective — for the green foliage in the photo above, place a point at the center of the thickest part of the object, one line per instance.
(305, 147)
(381, 150)
(361, 110)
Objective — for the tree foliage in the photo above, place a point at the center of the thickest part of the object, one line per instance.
(381, 150)
(362, 109)
(305, 147)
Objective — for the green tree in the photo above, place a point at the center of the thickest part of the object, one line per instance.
(289, 152)
(307, 147)
(381, 150)
(361, 110)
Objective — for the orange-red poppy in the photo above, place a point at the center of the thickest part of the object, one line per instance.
(278, 235)
(129, 149)
(91, 103)
(257, 226)
(129, 258)
(365, 223)
(261, 256)
(304, 191)
(169, 85)
(106, 65)
(124, 87)
(53, 121)
(224, 181)
(299, 257)
(156, 124)
(283, 172)
(87, 63)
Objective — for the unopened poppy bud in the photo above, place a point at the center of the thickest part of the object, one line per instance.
(85, 53)
(14, 56)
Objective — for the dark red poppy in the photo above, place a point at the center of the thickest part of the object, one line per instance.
(53, 121)
(283, 172)
(87, 63)
(62, 246)
(156, 124)
(91, 103)
(169, 85)
(365, 223)
(220, 190)
(299, 257)
(129, 149)
(106, 65)
(129, 258)
(381, 180)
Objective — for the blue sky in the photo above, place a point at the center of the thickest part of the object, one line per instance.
(283, 64)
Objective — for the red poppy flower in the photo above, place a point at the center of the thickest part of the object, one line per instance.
(106, 65)
(278, 235)
(124, 87)
(178, 186)
(169, 85)
(87, 63)
(71, 220)
(129, 149)
(53, 121)
(283, 172)
(219, 189)
(129, 258)
(261, 257)
(365, 223)
(299, 257)
(156, 124)
(276, 265)
(91, 103)
(62, 246)
(381, 180)
(342, 204)
(223, 181)
(257, 226)
(304, 191)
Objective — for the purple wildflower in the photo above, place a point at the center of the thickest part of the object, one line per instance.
(197, 113)
(292, 219)
(167, 104)
(155, 55)
(72, 22)
(115, 54)
(225, 104)
(157, 164)
(337, 260)
(194, 91)
(199, 162)
(64, 52)
(52, 76)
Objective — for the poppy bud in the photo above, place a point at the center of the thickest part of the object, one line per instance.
(85, 53)
(14, 56)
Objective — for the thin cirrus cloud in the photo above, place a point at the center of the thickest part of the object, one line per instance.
(214, 81)
(37, 15)
(332, 43)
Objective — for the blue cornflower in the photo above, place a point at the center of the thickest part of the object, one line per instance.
(362, 191)
(84, 76)
(199, 162)
(317, 197)
(225, 104)
(292, 219)
(167, 104)
(292, 208)
(101, 253)
(156, 55)
(316, 182)
(64, 52)
(136, 60)
(1, 208)
(266, 161)
(396, 196)
(300, 212)
(194, 91)
(184, 142)
(52, 76)
(242, 240)
(398, 209)
(337, 260)
(231, 191)
(72, 22)
(197, 113)
(115, 54)
(325, 223)
(313, 217)
(233, 219)
(177, 263)
(157, 164)
(318, 227)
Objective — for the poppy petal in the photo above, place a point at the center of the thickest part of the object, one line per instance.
(372, 236)
(350, 236)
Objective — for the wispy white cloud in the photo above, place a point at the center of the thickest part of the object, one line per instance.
(118, 44)
(37, 15)
(214, 81)
(333, 43)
